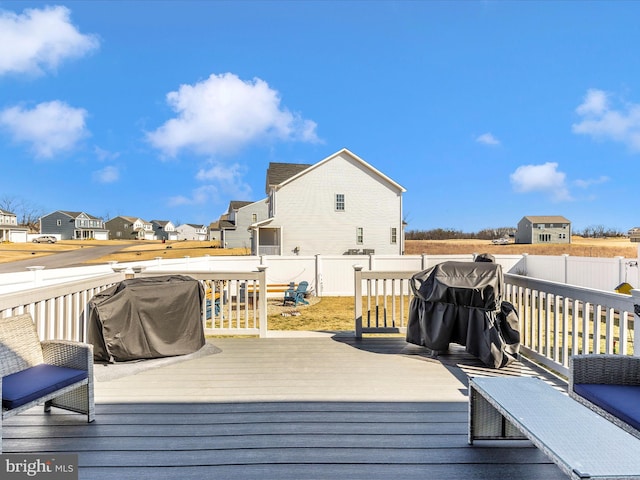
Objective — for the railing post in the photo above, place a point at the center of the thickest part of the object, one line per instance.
(635, 295)
(318, 275)
(262, 300)
(357, 288)
(37, 278)
(566, 267)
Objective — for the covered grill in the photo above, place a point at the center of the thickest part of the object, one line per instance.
(144, 318)
(461, 302)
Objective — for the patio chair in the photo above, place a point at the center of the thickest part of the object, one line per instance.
(57, 373)
(296, 295)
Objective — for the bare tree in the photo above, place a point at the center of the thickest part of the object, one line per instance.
(26, 213)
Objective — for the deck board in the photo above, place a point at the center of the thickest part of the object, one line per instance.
(285, 408)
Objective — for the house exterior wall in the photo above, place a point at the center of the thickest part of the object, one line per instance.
(164, 230)
(191, 232)
(305, 209)
(58, 223)
(240, 237)
(534, 232)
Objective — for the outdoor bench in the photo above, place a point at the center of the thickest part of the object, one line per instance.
(57, 373)
(609, 385)
(583, 444)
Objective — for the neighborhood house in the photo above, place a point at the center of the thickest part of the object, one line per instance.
(541, 229)
(73, 226)
(340, 205)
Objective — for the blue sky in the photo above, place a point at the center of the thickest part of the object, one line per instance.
(485, 111)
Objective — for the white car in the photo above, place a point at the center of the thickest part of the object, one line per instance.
(45, 239)
(500, 241)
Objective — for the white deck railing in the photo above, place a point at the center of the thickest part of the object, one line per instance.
(235, 303)
(556, 320)
(59, 311)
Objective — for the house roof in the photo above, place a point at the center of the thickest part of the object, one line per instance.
(6, 212)
(236, 204)
(547, 219)
(286, 175)
(277, 173)
(77, 214)
(162, 223)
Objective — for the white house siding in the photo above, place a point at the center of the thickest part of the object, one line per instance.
(306, 206)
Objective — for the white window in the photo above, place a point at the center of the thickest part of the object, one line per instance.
(254, 217)
(394, 235)
(359, 235)
(58, 222)
(340, 202)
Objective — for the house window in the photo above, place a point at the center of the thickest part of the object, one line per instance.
(359, 235)
(340, 202)
(544, 237)
(394, 235)
(59, 223)
(254, 217)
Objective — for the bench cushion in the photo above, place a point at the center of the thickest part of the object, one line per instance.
(622, 401)
(35, 382)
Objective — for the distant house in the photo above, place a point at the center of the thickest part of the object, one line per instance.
(129, 228)
(192, 231)
(233, 227)
(73, 226)
(634, 234)
(164, 230)
(543, 229)
(9, 229)
(340, 205)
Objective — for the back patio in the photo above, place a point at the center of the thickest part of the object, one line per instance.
(310, 406)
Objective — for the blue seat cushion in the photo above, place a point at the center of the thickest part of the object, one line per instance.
(622, 401)
(35, 382)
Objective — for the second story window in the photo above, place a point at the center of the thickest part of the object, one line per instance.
(254, 217)
(359, 235)
(394, 235)
(340, 202)
(59, 223)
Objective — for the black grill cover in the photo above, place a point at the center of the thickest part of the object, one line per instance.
(144, 318)
(460, 302)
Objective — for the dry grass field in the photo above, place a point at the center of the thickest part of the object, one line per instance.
(579, 247)
(148, 250)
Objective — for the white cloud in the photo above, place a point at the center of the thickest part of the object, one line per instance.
(541, 178)
(40, 39)
(221, 182)
(591, 181)
(602, 122)
(223, 113)
(50, 128)
(108, 174)
(487, 139)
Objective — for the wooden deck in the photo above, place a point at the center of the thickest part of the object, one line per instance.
(285, 408)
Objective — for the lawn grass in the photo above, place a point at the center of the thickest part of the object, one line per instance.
(322, 314)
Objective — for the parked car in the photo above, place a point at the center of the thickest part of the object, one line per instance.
(45, 239)
(500, 241)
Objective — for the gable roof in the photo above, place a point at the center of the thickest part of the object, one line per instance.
(77, 214)
(547, 219)
(237, 204)
(6, 212)
(277, 173)
(309, 168)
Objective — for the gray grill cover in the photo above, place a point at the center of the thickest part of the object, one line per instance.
(460, 302)
(145, 318)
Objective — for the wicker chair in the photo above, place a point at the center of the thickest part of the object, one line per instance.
(604, 369)
(56, 373)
